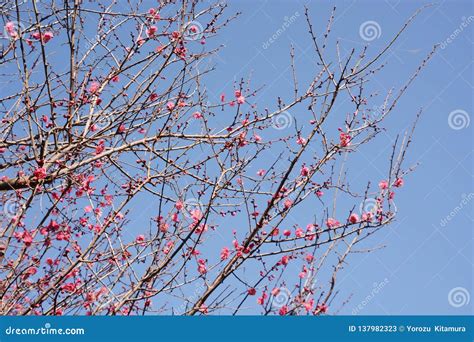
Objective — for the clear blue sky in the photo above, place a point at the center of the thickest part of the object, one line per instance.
(423, 259)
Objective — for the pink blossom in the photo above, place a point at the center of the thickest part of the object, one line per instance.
(175, 218)
(196, 215)
(275, 291)
(321, 308)
(299, 232)
(283, 310)
(308, 305)
(344, 139)
(304, 171)
(40, 173)
(197, 115)
(179, 205)
(287, 204)
(331, 223)
(261, 300)
(398, 182)
(225, 253)
(140, 239)
(88, 209)
(30, 271)
(47, 36)
(309, 258)
(26, 237)
(151, 31)
(367, 217)
(202, 266)
(164, 227)
(284, 260)
(94, 87)
(170, 106)
(383, 184)
(10, 26)
(100, 147)
(69, 287)
(286, 232)
(251, 291)
(153, 97)
(11, 30)
(241, 100)
(301, 141)
(261, 172)
(354, 218)
(319, 193)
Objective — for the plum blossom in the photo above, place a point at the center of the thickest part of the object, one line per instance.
(304, 171)
(140, 239)
(354, 218)
(202, 266)
(344, 139)
(225, 253)
(11, 30)
(151, 31)
(398, 182)
(383, 185)
(301, 141)
(170, 106)
(283, 310)
(40, 173)
(331, 222)
(179, 205)
(94, 87)
(287, 204)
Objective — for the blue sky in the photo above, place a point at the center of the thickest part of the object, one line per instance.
(424, 258)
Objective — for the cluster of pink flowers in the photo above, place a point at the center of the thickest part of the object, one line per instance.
(40, 173)
(11, 30)
(344, 139)
(44, 37)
